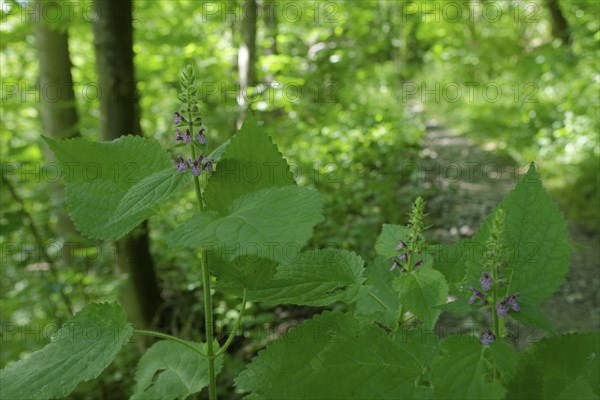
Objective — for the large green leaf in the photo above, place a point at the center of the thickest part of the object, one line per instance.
(268, 224)
(113, 186)
(332, 356)
(561, 367)
(466, 369)
(250, 162)
(379, 280)
(80, 350)
(532, 316)
(536, 234)
(313, 278)
(420, 291)
(170, 370)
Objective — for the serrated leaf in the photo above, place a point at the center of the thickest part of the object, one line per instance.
(466, 369)
(536, 233)
(250, 162)
(99, 176)
(264, 224)
(80, 351)
(420, 291)
(389, 238)
(561, 367)
(379, 280)
(313, 278)
(332, 356)
(169, 370)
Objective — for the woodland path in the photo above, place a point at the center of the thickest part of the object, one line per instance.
(468, 182)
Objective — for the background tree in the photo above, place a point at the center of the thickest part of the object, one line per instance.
(119, 115)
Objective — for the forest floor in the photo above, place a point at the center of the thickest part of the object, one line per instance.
(468, 182)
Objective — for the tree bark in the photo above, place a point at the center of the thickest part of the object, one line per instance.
(247, 55)
(560, 25)
(113, 41)
(58, 110)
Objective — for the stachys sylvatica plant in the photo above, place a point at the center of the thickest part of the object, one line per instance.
(249, 232)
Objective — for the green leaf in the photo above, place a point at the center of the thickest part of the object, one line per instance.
(460, 307)
(532, 316)
(561, 367)
(148, 193)
(465, 370)
(332, 356)
(80, 350)
(389, 238)
(313, 278)
(420, 291)
(169, 370)
(250, 162)
(379, 280)
(113, 186)
(536, 234)
(266, 224)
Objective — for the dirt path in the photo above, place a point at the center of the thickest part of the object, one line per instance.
(468, 182)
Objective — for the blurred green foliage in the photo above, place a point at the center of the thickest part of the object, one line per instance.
(338, 96)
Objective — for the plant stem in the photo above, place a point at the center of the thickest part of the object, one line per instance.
(233, 333)
(496, 323)
(172, 338)
(208, 311)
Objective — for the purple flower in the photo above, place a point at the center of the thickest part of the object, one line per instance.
(180, 164)
(403, 257)
(486, 281)
(502, 308)
(394, 266)
(188, 137)
(512, 301)
(178, 119)
(196, 165)
(476, 294)
(201, 136)
(418, 263)
(487, 337)
(208, 165)
(179, 136)
(401, 245)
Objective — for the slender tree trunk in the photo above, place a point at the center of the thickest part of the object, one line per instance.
(113, 40)
(560, 25)
(58, 110)
(247, 55)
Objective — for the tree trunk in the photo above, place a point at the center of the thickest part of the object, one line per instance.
(560, 25)
(57, 109)
(113, 41)
(247, 55)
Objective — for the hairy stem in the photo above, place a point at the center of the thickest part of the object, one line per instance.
(172, 338)
(208, 310)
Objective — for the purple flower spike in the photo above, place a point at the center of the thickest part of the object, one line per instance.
(502, 308)
(180, 164)
(401, 245)
(201, 136)
(403, 257)
(394, 266)
(487, 338)
(512, 301)
(188, 137)
(196, 166)
(486, 281)
(178, 119)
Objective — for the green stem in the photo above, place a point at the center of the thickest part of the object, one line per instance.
(171, 338)
(496, 323)
(208, 310)
(378, 300)
(233, 333)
